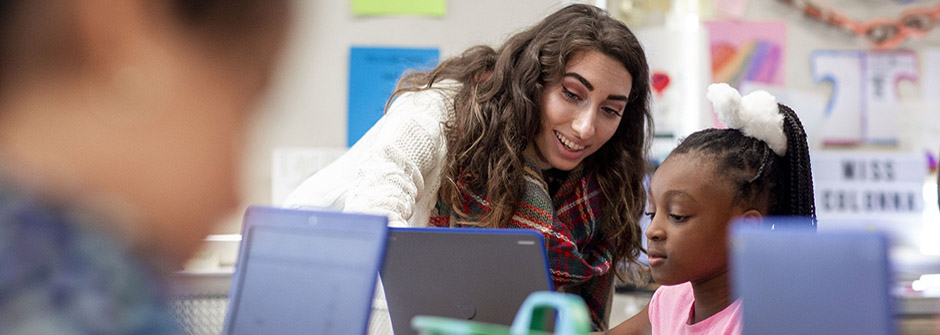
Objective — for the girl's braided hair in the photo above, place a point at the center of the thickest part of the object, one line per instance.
(781, 186)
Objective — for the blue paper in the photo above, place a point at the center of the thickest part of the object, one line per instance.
(373, 74)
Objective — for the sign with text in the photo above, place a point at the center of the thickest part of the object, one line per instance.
(868, 184)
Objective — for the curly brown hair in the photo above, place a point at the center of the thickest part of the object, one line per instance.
(497, 115)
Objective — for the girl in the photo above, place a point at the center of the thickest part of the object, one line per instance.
(546, 132)
(757, 167)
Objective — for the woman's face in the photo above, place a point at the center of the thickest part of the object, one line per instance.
(582, 111)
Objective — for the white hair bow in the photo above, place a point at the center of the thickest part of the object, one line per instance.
(756, 114)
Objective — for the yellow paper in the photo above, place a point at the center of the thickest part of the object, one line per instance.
(434, 8)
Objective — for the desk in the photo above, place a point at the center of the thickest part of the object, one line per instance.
(201, 299)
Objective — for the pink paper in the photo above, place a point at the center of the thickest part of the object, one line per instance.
(752, 51)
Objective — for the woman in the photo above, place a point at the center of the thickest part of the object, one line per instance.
(546, 132)
(118, 129)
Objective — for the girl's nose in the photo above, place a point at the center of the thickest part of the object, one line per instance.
(654, 232)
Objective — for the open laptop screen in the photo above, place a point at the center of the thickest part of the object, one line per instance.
(797, 281)
(475, 274)
(305, 272)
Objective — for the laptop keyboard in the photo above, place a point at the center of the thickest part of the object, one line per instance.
(204, 314)
(200, 314)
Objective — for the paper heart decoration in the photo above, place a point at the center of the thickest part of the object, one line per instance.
(660, 81)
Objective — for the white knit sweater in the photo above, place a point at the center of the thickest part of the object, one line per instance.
(394, 169)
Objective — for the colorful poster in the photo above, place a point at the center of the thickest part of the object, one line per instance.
(843, 116)
(432, 8)
(373, 74)
(883, 109)
(745, 50)
(864, 105)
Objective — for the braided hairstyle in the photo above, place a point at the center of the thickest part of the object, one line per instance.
(780, 186)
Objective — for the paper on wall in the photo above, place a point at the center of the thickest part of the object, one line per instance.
(432, 8)
(291, 166)
(842, 119)
(883, 110)
(373, 74)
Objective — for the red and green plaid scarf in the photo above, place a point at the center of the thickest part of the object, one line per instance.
(579, 255)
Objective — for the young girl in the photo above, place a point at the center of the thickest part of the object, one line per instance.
(546, 132)
(757, 167)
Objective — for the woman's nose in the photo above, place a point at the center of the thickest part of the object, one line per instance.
(583, 123)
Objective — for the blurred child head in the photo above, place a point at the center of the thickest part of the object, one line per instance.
(134, 110)
(757, 167)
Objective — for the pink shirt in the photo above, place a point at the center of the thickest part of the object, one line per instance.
(671, 309)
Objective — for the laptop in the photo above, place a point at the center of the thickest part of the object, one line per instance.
(305, 272)
(475, 274)
(798, 281)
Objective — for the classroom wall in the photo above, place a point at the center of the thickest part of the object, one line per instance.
(307, 104)
(806, 36)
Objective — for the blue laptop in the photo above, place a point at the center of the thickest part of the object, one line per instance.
(305, 272)
(794, 280)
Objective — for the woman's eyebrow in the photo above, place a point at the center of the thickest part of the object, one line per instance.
(583, 81)
(590, 86)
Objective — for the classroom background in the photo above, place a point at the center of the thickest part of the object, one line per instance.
(869, 99)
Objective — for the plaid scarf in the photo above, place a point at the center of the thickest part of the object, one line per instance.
(579, 256)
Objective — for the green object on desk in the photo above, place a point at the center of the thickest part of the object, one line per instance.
(572, 319)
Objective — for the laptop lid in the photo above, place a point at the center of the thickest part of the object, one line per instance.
(795, 281)
(475, 274)
(305, 272)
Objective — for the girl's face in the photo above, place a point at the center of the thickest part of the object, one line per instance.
(690, 207)
(582, 111)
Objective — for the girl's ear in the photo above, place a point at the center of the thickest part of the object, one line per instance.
(752, 217)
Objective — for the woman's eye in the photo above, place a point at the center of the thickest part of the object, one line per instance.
(568, 94)
(650, 214)
(611, 111)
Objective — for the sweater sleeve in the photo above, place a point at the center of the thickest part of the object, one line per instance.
(385, 172)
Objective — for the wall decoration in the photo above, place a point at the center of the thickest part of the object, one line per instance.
(751, 51)
(881, 33)
(432, 8)
(864, 105)
(373, 74)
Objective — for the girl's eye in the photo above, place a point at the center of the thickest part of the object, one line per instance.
(650, 214)
(568, 94)
(678, 218)
(611, 111)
